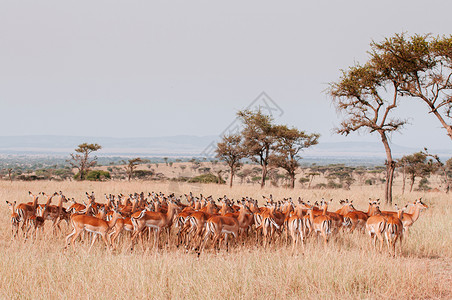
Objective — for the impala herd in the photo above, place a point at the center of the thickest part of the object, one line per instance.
(202, 221)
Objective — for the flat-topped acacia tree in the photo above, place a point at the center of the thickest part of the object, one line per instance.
(258, 138)
(366, 97)
(230, 149)
(421, 65)
(289, 143)
(81, 161)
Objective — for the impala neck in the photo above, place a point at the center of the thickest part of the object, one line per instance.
(134, 205)
(112, 222)
(35, 202)
(60, 204)
(369, 210)
(49, 200)
(325, 208)
(311, 216)
(416, 213)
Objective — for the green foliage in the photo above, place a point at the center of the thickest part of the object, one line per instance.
(98, 175)
(143, 174)
(207, 178)
(369, 182)
(423, 185)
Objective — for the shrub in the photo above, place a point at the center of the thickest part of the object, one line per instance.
(369, 182)
(207, 178)
(143, 174)
(320, 186)
(98, 175)
(333, 185)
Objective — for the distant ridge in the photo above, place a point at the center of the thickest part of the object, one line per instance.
(182, 145)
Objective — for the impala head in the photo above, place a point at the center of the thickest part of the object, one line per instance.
(421, 204)
(11, 204)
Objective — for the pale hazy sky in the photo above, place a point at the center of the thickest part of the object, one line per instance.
(157, 68)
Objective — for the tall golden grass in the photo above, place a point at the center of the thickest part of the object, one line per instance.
(348, 268)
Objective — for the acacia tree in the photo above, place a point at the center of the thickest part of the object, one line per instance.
(366, 96)
(422, 67)
(258, 138)
(81, 161)
(131, 165)
(444, 168)
(289, 142)
(231, 150)
(417, 165)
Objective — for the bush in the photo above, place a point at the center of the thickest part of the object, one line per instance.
(423, 185)
(333, 185)
(143, 174)
(369, 182)
(320, 186)
(98, 175)
(207, 178)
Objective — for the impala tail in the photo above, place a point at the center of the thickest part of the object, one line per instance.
(326, 226)
(347, 222)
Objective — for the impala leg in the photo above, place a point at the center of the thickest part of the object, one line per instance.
(75, 237)
(92, 243)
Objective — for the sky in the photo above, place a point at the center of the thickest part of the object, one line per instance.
(164, 68)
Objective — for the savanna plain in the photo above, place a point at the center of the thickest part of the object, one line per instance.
(348, 267)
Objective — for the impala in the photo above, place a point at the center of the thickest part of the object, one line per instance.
(296, 227)
(156, 220)
(27, 210)
(393, 230)
(321, 224)
(376, 225)
(216, 226)
(82, 222)
(15, 218)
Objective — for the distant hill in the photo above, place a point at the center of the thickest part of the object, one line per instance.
(184, 145)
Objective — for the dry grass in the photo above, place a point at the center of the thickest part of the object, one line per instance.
(349, 268)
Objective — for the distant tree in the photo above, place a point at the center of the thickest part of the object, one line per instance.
(444, 168)
(10, 171)
(82, 161)
(421, 65)
(166, 160)
(131, 165)
(417, 166)
(258, 138)
(311, 176)
(230, 149)
(289, 142)
(366, 95)
(98, 175)
(303, 180)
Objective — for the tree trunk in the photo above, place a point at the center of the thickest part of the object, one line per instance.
(264, 174)
(404, 177)
(390, 167)
(412, 183)
(232, 176)
(292, 180)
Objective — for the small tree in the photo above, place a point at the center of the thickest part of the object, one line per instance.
(417, 166)
(230, 149)
(81, 160)
(443, 167)
(289, 143)
(366, 95)
(258, 138)
(131, 165)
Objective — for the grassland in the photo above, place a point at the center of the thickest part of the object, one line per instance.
(349, 268)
